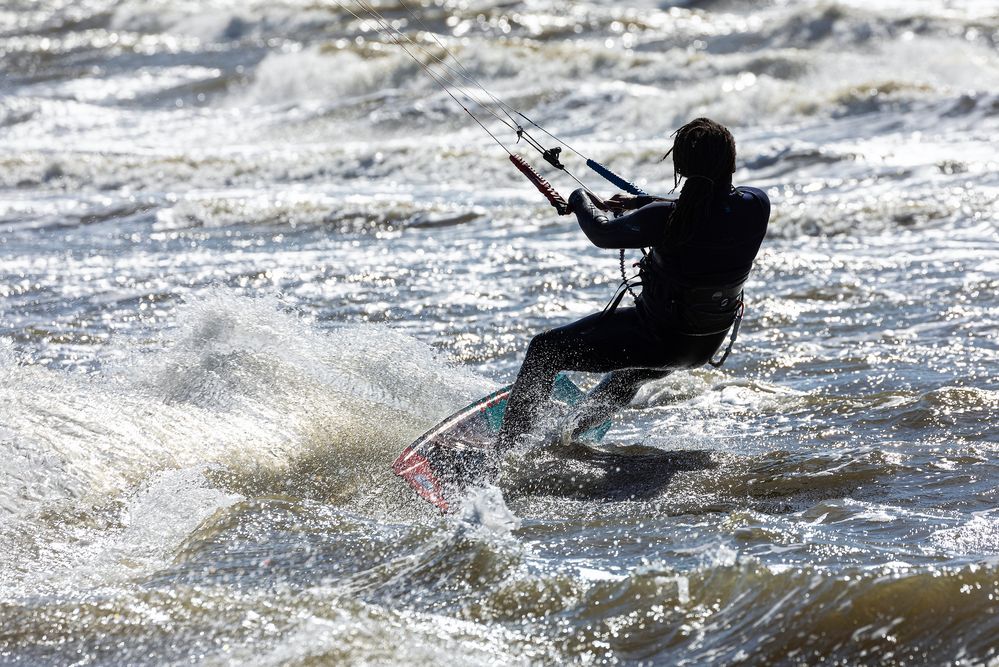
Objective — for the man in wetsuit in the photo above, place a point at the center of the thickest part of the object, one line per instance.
(702, 248)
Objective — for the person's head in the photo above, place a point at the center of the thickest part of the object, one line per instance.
(703, 149)
(703, 153)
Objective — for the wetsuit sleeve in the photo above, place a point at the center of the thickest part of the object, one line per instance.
(761, 199)
(638, 229)
(645, 200)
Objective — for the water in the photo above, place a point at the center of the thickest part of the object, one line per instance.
(249, 251)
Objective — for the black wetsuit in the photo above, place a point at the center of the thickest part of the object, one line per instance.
(690, 295)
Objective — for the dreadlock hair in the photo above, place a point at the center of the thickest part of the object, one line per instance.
(704, 153)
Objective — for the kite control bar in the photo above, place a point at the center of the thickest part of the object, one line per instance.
(627, 186)
(543, 186)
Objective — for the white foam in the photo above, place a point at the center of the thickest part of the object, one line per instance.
(485, 508)
(168, 507)
(8, 355)
(721, 555)
(154, 522)
(318, 75)
(979, 536)
(237, 381)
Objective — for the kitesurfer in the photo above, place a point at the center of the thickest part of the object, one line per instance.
(703, 245)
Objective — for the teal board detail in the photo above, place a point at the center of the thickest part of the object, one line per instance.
(564, 391)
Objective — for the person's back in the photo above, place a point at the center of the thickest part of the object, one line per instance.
(716, 258)
(721, 250)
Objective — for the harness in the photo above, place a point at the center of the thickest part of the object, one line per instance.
(687, 306)
(722, 305)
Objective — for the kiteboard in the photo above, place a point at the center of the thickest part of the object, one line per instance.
(445, 460)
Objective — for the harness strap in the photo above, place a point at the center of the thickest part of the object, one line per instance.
(731, 340)
(622, 289)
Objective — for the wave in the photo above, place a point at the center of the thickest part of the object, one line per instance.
(239, 382)
(344, 213)
(719, 604)
(801, 47)
(746, 612)
(330, 54)
(327, 74)
(488, 599)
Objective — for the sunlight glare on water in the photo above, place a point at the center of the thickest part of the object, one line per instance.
(250, 251)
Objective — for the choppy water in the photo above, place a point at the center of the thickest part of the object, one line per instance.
(248, 251)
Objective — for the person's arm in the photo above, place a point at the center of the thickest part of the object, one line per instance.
(639, 229)
(622, 202)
